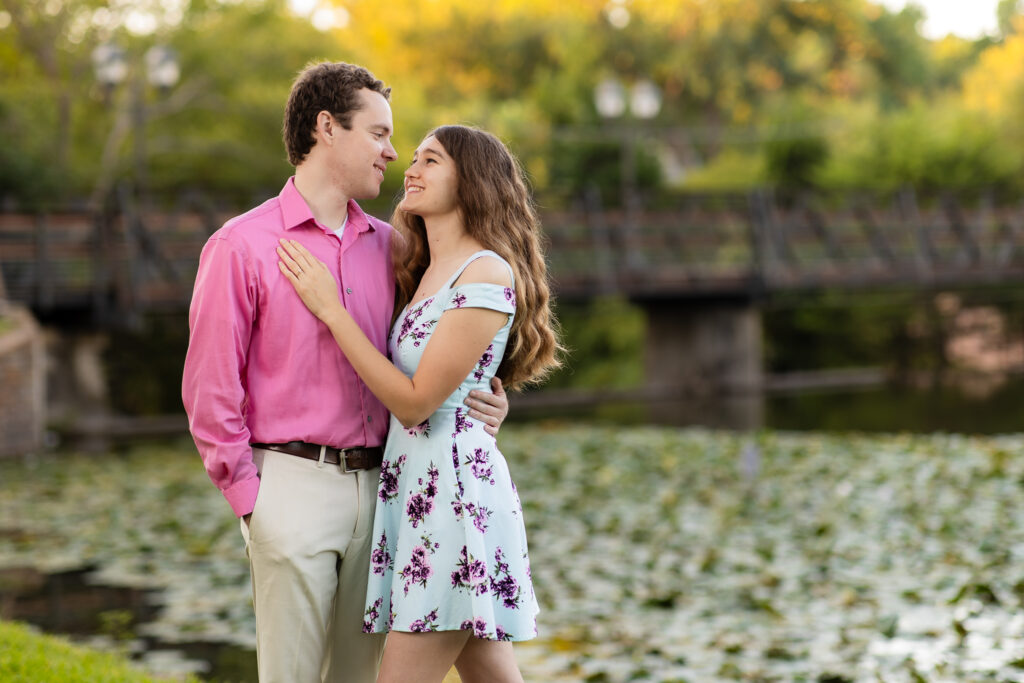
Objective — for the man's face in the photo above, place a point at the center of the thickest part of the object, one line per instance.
(363, 152)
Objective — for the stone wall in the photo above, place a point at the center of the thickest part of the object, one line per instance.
(22, 382)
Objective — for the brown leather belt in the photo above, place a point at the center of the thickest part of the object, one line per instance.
(351, 459)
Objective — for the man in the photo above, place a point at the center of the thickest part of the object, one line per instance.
(286, 429)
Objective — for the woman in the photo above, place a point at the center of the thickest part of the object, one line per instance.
(449, 577)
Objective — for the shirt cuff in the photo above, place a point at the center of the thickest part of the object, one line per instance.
(241, 495)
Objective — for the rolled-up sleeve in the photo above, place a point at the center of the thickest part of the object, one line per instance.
(221, 317)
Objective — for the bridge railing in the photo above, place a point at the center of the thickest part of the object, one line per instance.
(751, 244)
(120, 264)
(110, 266)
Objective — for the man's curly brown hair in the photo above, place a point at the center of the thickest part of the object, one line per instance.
(324, 86)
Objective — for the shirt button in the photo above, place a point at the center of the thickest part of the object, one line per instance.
(369, 418)
(348, 290)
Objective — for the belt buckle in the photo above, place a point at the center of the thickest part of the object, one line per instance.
(343, 457)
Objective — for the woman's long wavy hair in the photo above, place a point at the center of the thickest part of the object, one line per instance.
(497, 211)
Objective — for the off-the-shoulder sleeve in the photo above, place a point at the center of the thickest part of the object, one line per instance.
(482, 295)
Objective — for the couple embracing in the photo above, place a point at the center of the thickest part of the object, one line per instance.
(344, 383)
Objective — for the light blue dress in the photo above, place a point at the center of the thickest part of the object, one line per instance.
(449, 540)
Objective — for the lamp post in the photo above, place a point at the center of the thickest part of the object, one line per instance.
(638, 104)
(112, 68)
(157, 67)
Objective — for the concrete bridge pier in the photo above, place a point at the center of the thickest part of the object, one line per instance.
(79, 400)
(22, 382)
(708, 353)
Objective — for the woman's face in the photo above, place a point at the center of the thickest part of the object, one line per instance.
(430, 181)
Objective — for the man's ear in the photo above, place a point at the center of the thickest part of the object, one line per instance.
(325, 126)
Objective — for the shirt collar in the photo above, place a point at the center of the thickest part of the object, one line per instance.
(296, 212)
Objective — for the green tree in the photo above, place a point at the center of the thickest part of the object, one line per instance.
(1006, 12)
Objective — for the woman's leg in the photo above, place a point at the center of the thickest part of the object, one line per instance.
(420, 657)
(488, 661)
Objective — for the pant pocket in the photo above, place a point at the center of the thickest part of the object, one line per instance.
(245, 533)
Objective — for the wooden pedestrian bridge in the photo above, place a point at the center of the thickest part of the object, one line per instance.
(700, 266)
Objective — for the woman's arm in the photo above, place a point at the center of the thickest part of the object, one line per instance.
(459, 340)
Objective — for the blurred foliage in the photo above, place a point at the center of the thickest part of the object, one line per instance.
(836, 330)
(830, 94)
(605, 337)
(793, 158)
(823, 95)
(906, 332)
(577, 166)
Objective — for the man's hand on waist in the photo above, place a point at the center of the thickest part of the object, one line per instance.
(489, 408)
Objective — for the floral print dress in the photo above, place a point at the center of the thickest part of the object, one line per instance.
(449, 540)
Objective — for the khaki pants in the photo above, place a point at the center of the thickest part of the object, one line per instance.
(308, 542)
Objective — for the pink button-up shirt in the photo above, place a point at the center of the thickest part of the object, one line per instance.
(260, 367)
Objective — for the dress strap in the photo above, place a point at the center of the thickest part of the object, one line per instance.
(485, 252)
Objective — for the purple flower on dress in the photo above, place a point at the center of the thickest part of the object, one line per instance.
(478, 513)
(455, 465)
(430, 490)
(470, 574)
(419, 570)
(459, 300)
(480, 464)
(421, 504)
(422, 429)
(380, 558)
(410, 318)
(499, 565)
(510, 296)
(500, 633)
(407, 324)
(503, 584)
(372, 614)
(484, 363)
(426, 624)
(418, 507)
(507, 589)
(389, 472)
(409, 328)
(462, 423)
(478, 626)
(421, 334)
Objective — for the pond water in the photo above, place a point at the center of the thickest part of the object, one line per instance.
(966, 406)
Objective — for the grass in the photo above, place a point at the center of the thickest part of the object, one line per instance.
(29, 657)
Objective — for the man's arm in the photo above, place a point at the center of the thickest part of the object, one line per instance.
(489, 408)
(220, 323)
